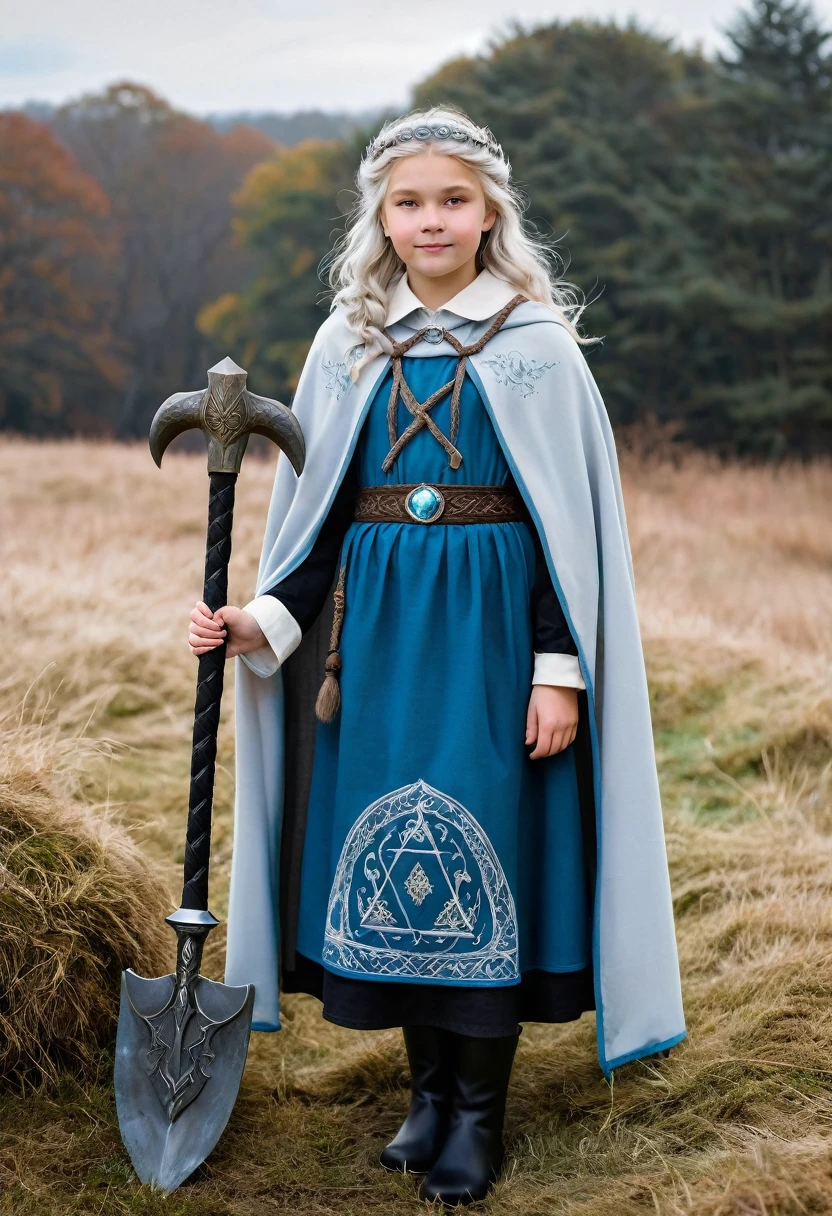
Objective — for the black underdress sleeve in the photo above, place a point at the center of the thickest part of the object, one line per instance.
(304, 591)
(550, 631)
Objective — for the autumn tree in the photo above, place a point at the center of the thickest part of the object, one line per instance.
(288, 211)
(59, 365)
(169, 178)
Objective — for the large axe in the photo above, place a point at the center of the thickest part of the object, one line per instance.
(182, 1039)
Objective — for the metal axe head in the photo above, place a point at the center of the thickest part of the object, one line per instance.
(228, 413)
(180, 1052)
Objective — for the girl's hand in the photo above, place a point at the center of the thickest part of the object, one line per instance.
(552, 720)
(208, 630)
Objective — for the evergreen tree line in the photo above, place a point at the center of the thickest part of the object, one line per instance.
(687, 197)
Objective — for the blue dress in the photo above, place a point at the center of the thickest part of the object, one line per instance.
(436, 852)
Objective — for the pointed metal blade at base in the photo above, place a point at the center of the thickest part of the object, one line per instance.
(165, 1153)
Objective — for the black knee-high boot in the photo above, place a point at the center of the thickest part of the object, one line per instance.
(472, 1155)
(419, 1140)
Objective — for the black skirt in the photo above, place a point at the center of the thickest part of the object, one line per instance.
(487, 1012)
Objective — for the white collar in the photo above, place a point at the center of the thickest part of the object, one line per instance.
(476, 302)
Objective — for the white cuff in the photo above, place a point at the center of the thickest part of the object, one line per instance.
(283, 635)
(562, 670)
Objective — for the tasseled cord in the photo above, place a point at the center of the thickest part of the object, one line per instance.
(329, 694)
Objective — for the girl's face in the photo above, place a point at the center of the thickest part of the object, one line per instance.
(434, 213)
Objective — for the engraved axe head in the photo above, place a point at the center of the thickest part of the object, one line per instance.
(227, 413)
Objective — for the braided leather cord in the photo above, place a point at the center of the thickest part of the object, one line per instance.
(420, 410)
(208, 697)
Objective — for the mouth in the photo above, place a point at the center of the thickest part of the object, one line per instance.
(434, 246)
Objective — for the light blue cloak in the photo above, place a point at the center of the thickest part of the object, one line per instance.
(553, 428)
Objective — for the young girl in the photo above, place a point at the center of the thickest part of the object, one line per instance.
(460, 829)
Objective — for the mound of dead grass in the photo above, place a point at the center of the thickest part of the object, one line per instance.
(78, 903)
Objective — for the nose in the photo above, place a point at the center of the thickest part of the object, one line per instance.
(432, 219)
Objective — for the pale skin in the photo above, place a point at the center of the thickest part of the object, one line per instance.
(434, 214)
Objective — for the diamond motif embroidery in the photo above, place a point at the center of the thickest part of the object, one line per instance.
(417, 884)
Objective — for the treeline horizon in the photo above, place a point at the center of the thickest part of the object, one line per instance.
(288, 127)
(685, 196)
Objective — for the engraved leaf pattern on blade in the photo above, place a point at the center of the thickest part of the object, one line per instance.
(179, 1055)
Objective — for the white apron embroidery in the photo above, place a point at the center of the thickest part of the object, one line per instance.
(420, 893)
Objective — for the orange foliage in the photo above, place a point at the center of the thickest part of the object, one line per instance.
(57, 355)
(168, 177)
(304, 167)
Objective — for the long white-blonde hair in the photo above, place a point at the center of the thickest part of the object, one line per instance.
(363, 264)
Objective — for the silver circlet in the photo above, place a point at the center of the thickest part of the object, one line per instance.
(434, 131)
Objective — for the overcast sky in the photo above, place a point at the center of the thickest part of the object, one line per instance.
(219, 55)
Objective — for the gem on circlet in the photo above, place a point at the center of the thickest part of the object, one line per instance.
(425, 504)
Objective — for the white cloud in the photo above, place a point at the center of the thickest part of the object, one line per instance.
(269, 54)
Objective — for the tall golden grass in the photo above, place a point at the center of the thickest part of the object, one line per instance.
(102, 558)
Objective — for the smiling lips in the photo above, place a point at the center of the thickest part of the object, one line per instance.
(434, 246)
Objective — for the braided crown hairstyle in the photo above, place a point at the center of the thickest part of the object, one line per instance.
(364, 265)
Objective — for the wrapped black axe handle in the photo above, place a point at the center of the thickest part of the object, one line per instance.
(227, 413)
(209, 684)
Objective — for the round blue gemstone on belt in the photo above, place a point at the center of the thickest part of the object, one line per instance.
(424, 504)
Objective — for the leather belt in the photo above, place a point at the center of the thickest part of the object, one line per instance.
(432, 504)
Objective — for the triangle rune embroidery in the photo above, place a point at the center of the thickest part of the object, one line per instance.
(418, 838)
(419, 891)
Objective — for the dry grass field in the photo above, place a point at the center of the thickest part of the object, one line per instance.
(101, 560)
